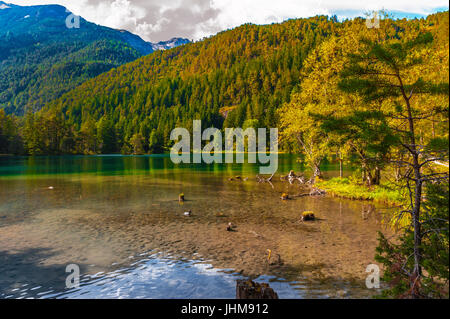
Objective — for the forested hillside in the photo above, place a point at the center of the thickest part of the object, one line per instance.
(41, 58)
(250, 70)
(239, 77)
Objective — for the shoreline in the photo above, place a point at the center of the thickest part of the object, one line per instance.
(350, 190)
(332, 251)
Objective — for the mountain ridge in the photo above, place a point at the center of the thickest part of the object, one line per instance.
(250, 70)
(34, 40)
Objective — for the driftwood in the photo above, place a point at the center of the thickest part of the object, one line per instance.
(256, 234)
(313, 192)
(316, 192)
(248, 289)
(292, 177)
(263, 180)
(238, 178)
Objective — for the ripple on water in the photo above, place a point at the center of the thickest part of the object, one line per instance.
(104, 213)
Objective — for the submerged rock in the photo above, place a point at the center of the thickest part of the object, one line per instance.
(284, 196)
(274, 260)
(307, 215)
(248, 289)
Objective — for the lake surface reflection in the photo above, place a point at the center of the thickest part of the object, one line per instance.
(119, 219)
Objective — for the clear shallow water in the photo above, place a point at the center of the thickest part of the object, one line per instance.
(159, 278)
(118, 218)
(125, 165)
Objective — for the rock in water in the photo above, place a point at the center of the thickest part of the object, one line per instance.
(275, 261)
(247, 289)
(308, 216)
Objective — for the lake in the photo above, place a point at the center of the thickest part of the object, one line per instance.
(119, 219)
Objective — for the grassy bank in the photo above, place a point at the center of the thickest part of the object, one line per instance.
(346, 188)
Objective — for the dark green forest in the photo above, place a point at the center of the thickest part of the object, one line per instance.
(250, 70)
(40, 58)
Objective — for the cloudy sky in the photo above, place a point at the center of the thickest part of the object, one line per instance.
(157, 20)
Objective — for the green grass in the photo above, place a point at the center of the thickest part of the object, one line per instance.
(344, 187)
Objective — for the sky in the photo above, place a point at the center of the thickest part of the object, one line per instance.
(159, 20)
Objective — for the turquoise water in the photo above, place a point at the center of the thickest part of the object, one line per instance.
(120, 164)
(119, 219)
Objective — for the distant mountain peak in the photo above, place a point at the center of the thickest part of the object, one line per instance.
(36, 46)
(169, 44)
(14, 18)
(4, 5)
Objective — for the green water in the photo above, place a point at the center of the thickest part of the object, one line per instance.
(119, 217)
(118, 164)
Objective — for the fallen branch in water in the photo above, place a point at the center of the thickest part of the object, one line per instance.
(291, 177)
(313, 192)
(264, 180)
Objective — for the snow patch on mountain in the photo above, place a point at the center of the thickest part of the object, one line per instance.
(172, 43)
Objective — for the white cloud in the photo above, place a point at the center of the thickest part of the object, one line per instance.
(157, 20)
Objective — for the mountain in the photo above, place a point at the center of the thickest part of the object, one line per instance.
(41, 57)
(245, 73)
(237, 78)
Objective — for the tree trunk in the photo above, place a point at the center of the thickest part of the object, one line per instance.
(247, 289)
(412, 148)
(397, 173)
(366, 174)
(433, 130)
(369, 177)
(317, 171)
(377, 178)
(417, 272)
